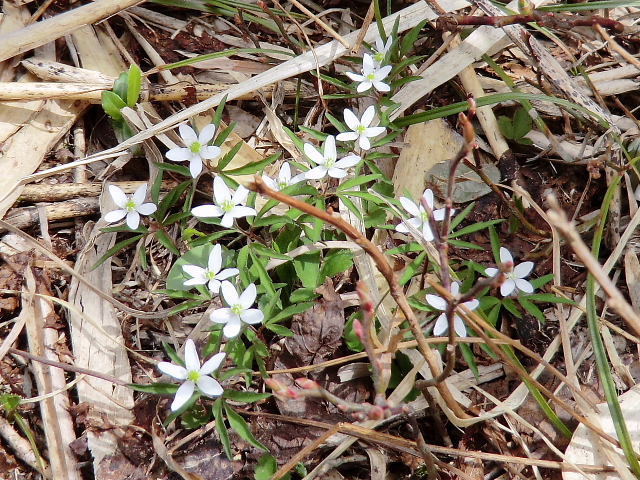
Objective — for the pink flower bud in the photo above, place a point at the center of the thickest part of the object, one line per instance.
(358, 329)
(307, 383)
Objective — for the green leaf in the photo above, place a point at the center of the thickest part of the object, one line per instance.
(290, 311)
(221, 428)
(155, 388)
(532, 309)
(506, 127)
(269, 252)
(279, 330)
(495, 243)
(410, 38)
(336, 262)
(307, 267)
(356, 181)
(133, 85)
(351, 206)
(265, 279)
(548, 297)
(538, 282)
(302, 295)
(266, 467)
(115, 249)
(511, 306)
(186, 306)
(112, 104)
(166, 241)
(224, 161)
(253, 167)
(412, 268)
(245, 397)
(171, 167)
(474, 228)
(217, 116)
(171, 199)
(240, 426)
(522, 123)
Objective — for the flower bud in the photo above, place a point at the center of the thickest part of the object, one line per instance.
(307, 383)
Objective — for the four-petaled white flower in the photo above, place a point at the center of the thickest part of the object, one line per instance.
(381, 50)
(196, 148)
(361, 130)
(515, 278)
(420, 218)
(328, 163)
(226, 206)
(131, 206)
(212, 274)
(372, 76)
(193, 375)
(284, 178)
(440, 303)
(239, 309)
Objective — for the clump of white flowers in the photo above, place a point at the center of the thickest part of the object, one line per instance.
(328, 163)
(226, 206)
(442, 325)
(361, 131)
(515, 277)
(212, 274)
(372, 76)
(239, 309)
(420, 220)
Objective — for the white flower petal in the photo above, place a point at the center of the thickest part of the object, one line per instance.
(195, 166)
(348, 161)
(505, 255)
(459, 326)
(524, 285)
(187, 134)
(336, 172)
(209, 386)
(330, 151)
(191, 359)
(140, 193)
(347, 136)
(354, 76)
(193, 271)
(227, 220)
(428, 197)
(383, 72)
(441, 325)
(210, 152)
(179, 154)
(215, 259)
(491, 272)
(367, 64)
(402, 228)
(368, 115)
(426, 232)
(523, 269)
(133, 220)
(214, 286)
(410, 206)
(232, 329)
(436, 302)
(285, 173)
(472, 304)
(227, 273)
(364, 142)
(175, 371)
(316, 173)
(183, 395)
(240, 211)
(507, 287)
(455, 288)
(119, 197)
(374, 131)
(364, 86)
(206, 134)
(248, 297)
(351, 119)
(114, 216)
(252, 316)
(207, 211)
(222, 315)
(313, 154)
(195, 281)
(221, 192)
(147, 208)
(212, 364)
(229, 293)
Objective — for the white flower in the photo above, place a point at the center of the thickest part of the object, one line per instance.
(372, 76)
(239, 309)
(196, 148)
(193, 375)
(131, 206)
(420, 218)
(284, 178)
(440, 303)
(515, 278)
(381, 50)
(212, 274)
(226, 206)
(328, 164)
(361, 129)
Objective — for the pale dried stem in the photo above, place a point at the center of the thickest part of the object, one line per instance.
(385, 269)
(616, 300)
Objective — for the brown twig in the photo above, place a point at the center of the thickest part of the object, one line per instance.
(385, 269)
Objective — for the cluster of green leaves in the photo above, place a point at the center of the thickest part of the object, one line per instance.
(125, 93)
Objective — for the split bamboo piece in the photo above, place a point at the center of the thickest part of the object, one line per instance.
(48, 30)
